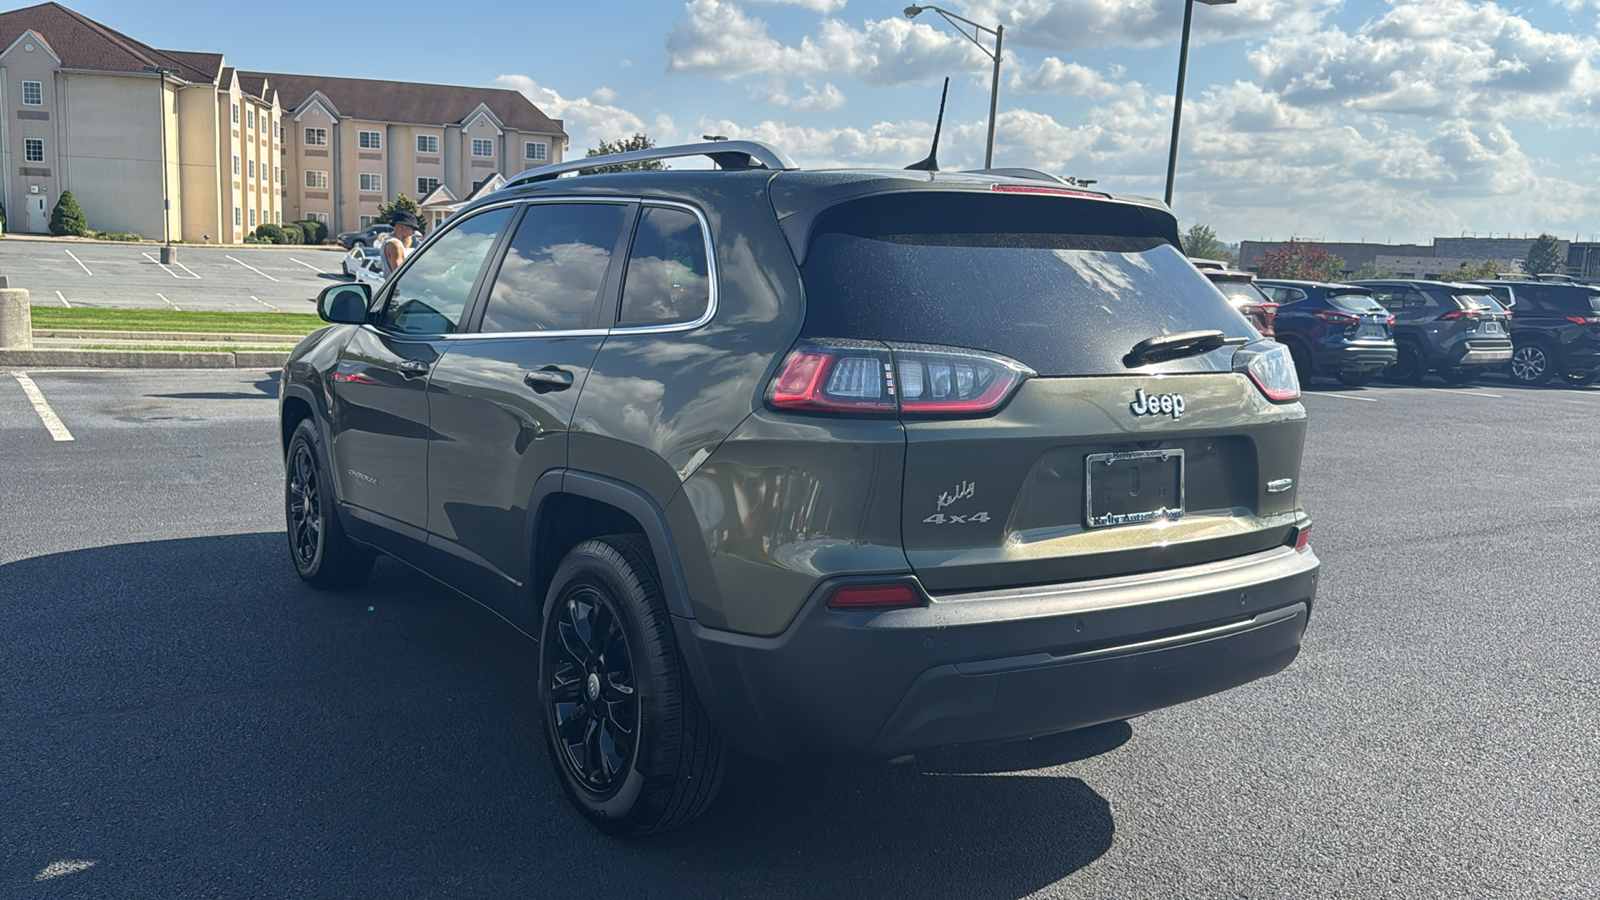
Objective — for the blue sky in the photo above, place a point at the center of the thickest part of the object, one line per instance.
(1380, 120)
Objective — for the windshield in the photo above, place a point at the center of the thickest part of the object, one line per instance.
(1000, 274)
(1475, 301)
(1241, 292)
(1356, 302)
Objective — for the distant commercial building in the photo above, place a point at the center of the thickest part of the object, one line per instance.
(84, 108)
(1443, 255)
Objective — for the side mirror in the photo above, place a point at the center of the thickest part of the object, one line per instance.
(345, 303)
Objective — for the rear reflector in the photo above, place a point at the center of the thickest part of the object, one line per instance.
(1302, 537)
(896, 595)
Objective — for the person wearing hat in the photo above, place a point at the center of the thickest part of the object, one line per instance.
(395, 247)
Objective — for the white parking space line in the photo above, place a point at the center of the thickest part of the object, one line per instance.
(253, 269)
(1465, 393)
(169, 269)
(166, 301)
(80, 262)
(307, 265)
(266, 304)
(63, 300)
(52, 422)
(187, 269)
(1344, 397)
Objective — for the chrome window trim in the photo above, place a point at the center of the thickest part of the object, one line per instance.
(711, 275)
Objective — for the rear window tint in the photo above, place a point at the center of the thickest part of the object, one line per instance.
(1355, 301)
(1241, 291)
(1474, 301)
(1012, 275)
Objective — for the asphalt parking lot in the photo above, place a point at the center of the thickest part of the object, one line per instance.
(180, 716)
(131, 276)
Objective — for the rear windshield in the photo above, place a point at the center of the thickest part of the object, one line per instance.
(1355, 301)
(1012, 275)
(1240, 290)
(1475, 301)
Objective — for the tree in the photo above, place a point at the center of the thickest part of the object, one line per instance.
(637, 142)
(1480, 272)
(67, 217)
(1304, 260)
(402, 203)
(270, 232)
(1545, 256)
(1200, 242)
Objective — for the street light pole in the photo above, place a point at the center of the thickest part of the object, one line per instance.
(1177, 103)
(999, 32)
(166, 196)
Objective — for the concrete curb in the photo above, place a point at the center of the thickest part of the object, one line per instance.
(143, 359)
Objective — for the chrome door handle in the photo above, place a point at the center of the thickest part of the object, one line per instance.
(551, 379)
(411, 367)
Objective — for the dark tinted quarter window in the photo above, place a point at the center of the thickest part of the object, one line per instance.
(1066, 287)
(669, 277)
(435, 288)
(554, 268)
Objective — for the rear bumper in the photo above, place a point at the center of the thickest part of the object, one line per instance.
(1349, 357)
(1001, 665)
(1482, 353)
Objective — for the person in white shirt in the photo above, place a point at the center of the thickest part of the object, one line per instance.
(393, 249)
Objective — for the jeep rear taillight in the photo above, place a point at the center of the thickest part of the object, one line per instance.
(866, 378)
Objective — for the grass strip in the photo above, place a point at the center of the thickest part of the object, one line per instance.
(94, 319)
(170, 348)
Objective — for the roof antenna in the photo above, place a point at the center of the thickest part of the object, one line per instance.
(931, 164)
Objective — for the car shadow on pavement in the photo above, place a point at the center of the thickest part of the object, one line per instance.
(186, 718)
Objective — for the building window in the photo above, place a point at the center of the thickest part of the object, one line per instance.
(427, 143)
(251, 117)
(33, 93)
(236, 121)
(33, 149)
(426, 186)
(371, 182)
(481, 147)
(476, 185)
(535, 150)
(316, 178)
(316, 137)
(365, 222)
(236, 165)
(370, 140)
(252, 218)
(277, 175)
(238, 217)
(252, 168)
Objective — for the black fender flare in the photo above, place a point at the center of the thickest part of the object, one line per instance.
(631, 500)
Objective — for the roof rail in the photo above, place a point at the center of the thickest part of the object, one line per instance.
(726, 154)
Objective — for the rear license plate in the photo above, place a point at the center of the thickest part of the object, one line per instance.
(1137, 486)
(1491, 327)
(1370, 331)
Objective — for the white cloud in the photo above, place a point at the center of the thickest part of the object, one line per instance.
(821, 6)
(718, 40)
(589, 120)
(1056, 77)
(776, 93)
(1093, 24)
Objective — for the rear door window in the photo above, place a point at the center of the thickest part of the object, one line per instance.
(554, 268)
(1008, 274)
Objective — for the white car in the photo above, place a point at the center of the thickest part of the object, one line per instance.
(355, 259)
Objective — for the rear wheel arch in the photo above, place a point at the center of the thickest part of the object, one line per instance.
(296, 409)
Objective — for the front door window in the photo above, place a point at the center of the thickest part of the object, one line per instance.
(432, 292)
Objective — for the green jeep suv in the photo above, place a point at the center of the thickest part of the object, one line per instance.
(811, 463)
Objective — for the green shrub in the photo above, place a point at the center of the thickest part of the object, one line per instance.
(115, 236)
(2, 216)
(67, 217)
(252, 239)
(293, 233)
(316, 232)
(270, 233)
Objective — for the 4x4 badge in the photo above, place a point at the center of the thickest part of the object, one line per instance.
(1157, 405)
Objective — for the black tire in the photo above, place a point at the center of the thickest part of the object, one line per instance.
(1530, 365)
(1460, 374)
(1358, 379)
(1581, 379)
(323, 556)
(1303, 369)
(608, 662)
(1410, 367)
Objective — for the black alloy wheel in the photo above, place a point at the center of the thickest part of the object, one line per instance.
(631, 745)
(1530, 365)
(1409, 367)
(596, 707)
(323, 556)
